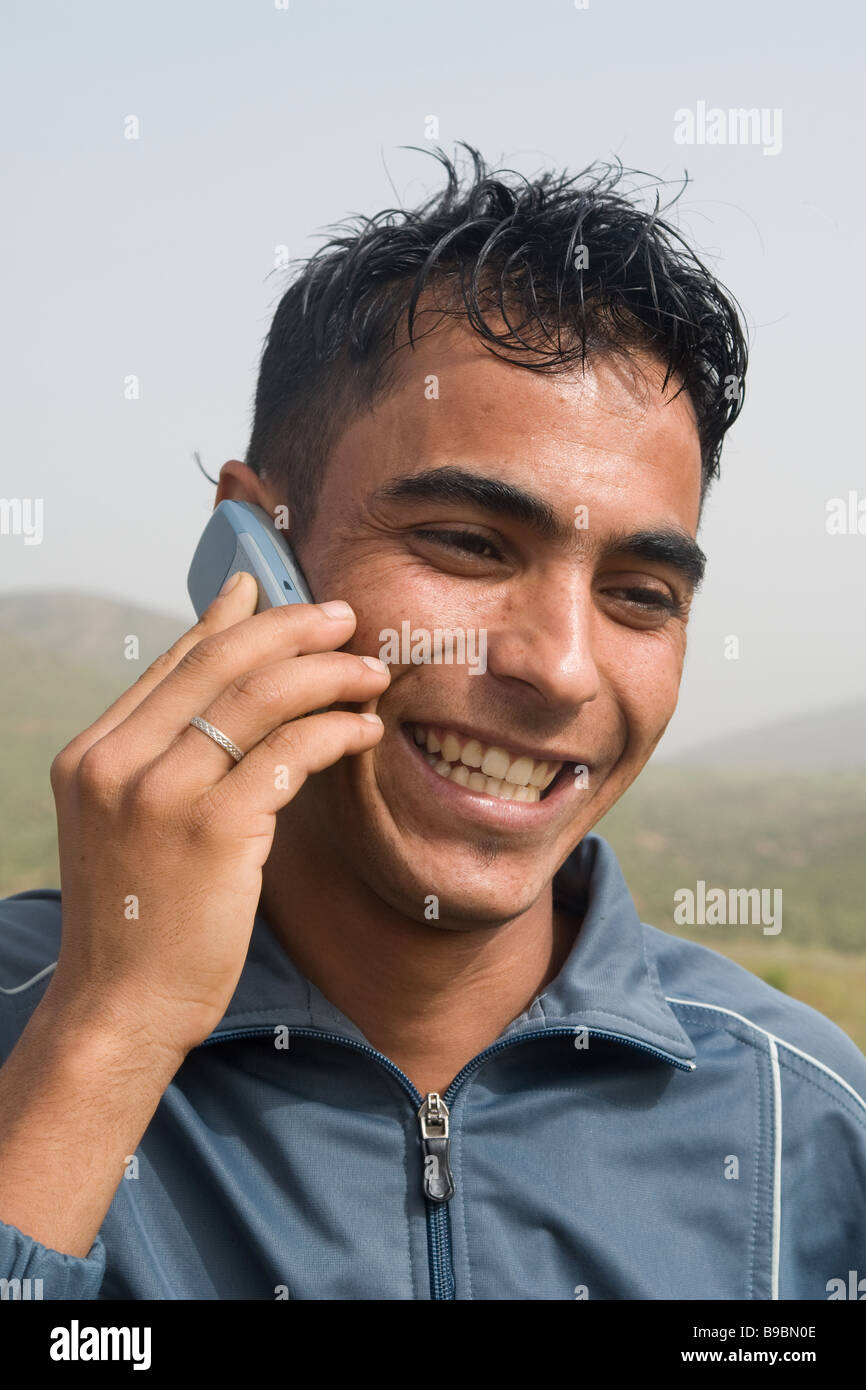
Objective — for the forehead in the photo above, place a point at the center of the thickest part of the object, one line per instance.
(608, 433)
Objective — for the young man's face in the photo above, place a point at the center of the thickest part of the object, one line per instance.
(585, 639)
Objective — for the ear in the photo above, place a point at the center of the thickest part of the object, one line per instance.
(238, 483)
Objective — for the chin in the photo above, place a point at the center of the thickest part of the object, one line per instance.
(479, 881)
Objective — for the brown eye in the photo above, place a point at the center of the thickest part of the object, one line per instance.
(640, 606)
(465, 542)
(648, 598)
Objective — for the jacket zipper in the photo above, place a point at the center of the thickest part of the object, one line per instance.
(435, 1121)
(434, 1118)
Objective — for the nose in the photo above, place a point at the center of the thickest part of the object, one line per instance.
(543, 643)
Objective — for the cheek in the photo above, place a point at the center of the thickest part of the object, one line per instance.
(644, 676)
(389, 592)
(375, 586)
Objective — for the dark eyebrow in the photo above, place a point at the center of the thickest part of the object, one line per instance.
(458, 485)
(666, 546)
(663, 545)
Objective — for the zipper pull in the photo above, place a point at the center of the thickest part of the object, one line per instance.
(438, 1180)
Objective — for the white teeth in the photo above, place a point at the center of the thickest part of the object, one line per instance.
(492, 770)
(495, 762)
(451, 748)
(477, 782)
(471, 753)
(520, 771)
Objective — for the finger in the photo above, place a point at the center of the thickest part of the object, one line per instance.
(258, 702)
(272, 774)
(222, 657)
(235, 603)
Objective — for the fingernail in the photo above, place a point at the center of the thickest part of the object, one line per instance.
(371, 718)
(230, 582)
(374, 663)
(337, 608)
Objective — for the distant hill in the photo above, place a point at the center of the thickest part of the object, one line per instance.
(827, 738)
(90, 629)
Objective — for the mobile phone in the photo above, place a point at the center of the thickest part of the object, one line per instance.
(241, 536)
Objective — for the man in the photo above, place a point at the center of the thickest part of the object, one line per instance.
(369, 1014)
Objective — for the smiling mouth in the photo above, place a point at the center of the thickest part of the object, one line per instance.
(484, 767)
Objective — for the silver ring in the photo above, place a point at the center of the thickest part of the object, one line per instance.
(217, 737)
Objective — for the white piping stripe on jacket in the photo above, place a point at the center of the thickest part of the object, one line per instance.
(773, 1043)
(777, 1166)
(699, 1004)
(27, 983)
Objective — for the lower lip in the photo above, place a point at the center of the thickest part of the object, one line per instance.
(494, 811)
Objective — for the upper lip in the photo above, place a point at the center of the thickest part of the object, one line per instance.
(511, 745)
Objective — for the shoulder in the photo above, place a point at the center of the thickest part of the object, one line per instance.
(709, 992)
(29, 947)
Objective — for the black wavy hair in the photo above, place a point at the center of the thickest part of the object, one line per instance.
(547, 271)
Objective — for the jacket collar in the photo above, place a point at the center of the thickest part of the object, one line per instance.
(608, 982)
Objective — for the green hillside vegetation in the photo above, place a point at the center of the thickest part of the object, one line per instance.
(44, 702)
(800, 832)
(63, 663)
(797, 825)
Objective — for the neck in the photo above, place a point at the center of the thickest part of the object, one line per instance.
(429, 995)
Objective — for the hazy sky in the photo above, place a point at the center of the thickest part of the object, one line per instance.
(260, 125)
